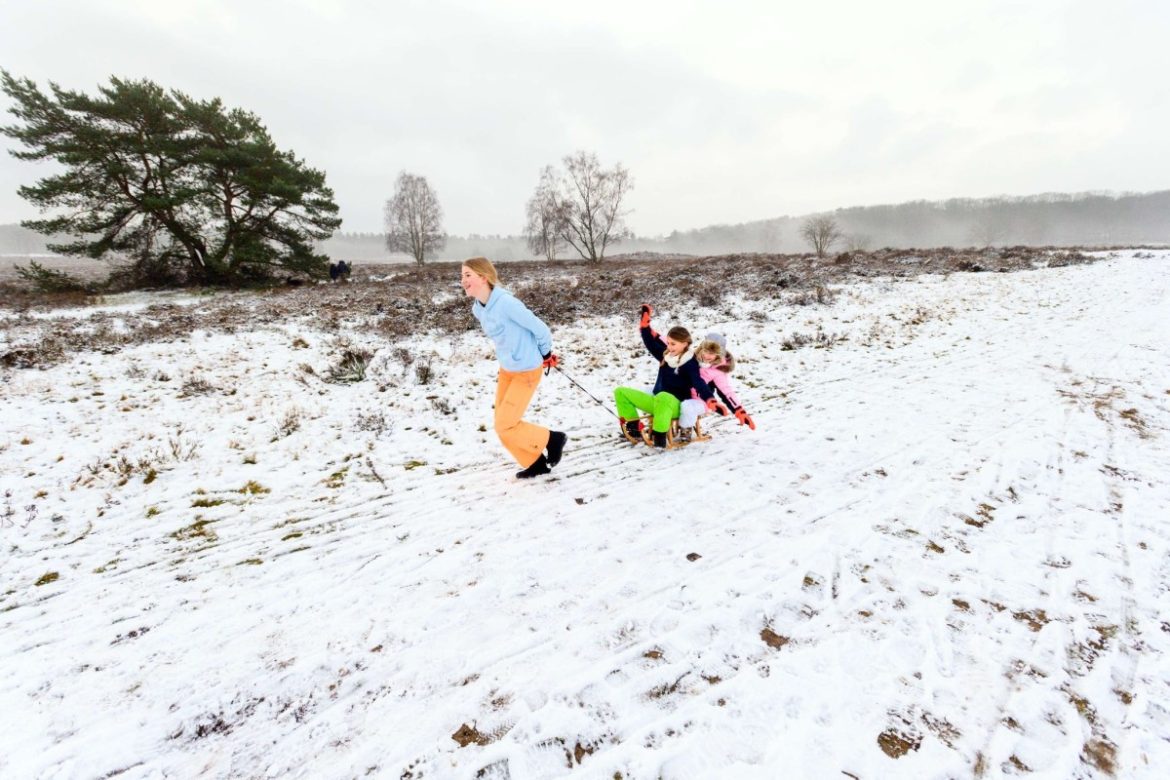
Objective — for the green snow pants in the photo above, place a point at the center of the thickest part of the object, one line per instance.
(664, 406)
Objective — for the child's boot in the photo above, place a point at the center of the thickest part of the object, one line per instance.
(660, 440)
(632, 431)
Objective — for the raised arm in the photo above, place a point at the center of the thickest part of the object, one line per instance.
(654, 343)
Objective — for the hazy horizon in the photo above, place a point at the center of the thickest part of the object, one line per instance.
(1050, 219)
(723, 114)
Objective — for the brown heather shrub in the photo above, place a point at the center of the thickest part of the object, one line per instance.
(44, 354)
(406, 300)
(423, 371)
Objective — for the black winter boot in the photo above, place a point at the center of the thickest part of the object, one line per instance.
(556, 446)
(535, 470)
(632, 430)
(660, 440)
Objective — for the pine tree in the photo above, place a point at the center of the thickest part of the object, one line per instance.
(183, 190)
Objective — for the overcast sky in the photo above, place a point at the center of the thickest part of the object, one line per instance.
(722, 111)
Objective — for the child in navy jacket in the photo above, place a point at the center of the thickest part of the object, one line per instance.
(678, 377)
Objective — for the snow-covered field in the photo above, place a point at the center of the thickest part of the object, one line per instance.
(945, 553)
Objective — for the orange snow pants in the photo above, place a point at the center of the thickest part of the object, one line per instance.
(513, 394)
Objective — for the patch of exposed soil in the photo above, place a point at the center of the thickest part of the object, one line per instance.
(773, 640)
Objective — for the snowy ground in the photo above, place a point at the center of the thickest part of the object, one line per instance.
(944, 554)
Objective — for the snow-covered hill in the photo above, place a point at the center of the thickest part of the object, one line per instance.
(945, 552)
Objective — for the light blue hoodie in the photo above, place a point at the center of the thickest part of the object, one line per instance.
(521, 339)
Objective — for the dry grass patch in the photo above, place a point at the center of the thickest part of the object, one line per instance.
(427, 299)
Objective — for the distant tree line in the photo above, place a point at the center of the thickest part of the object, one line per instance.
(1040, 220)
(1059, 220)
(1054, 219)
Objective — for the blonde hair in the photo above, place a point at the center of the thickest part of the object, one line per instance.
(483, 267)
(714, 347)
(723, 359)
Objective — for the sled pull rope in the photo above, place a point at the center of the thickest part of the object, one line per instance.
(598, 401)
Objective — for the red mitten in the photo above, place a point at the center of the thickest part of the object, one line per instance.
(744, 419)
(646, 312)
(714, 406)
(551, 361)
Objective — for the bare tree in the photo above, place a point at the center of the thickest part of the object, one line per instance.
(414, 219)
(858, 242)
(591, 205)
(546, 216)
(986, 231)
(821, 232)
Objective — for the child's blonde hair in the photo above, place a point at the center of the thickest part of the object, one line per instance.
(723, 359)
(712, 347)
(483, 267)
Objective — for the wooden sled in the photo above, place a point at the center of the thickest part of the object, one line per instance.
(676, 437)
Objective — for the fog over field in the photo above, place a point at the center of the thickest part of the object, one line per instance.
(1050, 220)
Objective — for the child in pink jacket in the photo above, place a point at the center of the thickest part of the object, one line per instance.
(715, 366)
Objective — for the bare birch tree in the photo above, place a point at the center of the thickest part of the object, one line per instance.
(986, 231)
(821, 232)
(545, 216)
(858, 242)
(414, 219)
(591, 205)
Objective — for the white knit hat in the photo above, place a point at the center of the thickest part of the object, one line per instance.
(717, 338)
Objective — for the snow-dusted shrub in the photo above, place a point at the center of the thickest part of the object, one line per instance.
(197, 385)
(423, 371)
(375, 422)
(350, 367)
(819, 340)
(181, 448)
(403, 356)
(288, 424)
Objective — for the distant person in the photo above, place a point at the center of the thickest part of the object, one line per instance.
(334, 272)
(343, 270)
(678, 380)
(523, 347)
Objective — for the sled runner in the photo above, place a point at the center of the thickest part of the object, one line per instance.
(676, 437)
